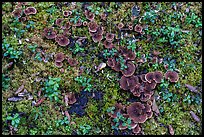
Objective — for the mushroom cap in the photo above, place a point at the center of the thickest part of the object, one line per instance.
(135, 112)
(129, 55)
(108, 44)
(109, 37)
(59, 21)
(71, 98)
(130, 70)
(89, 15)
(96, 37)
(17, 13)
(79, 23)
(138, 28)
(130, 27)
(59, 57)
(137, 129)
(92, 26)
(30, 10)
(149, 77)
(62, 40)
(172, 76)
(124, 83)
(72, 62)
(67, 25)
(49, 33)
(110, 62)
(127, 83)
(120, 25)
(136, 92)
(58, 64)
(66, 13)
(158, 75)
(145, 97)
(142, 78)
(150, 86)
(116, 66)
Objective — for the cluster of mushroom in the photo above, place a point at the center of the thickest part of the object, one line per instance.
(22, 14)
(60, 57)
(60, 38)
(138, 113)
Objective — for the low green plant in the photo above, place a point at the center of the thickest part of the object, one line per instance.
(85, 82)
(33, 131)
(37, 112)
(77, 48)
(150, 16)
(83, 129)
(9, 51)
(164, 84)
(5, 82)
(109, 53)
(131, 45)
(52, 88)
(122, 61)
(121, 119)
(15, 120)
(33, 47)
(193, 19)
(38, 56)
(31, 24)
(61, 122)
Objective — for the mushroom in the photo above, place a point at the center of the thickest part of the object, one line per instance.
(92, 26)
(30, 10)
(172, 76)
(49, 33)
(130, 70)
(158, 75)
(62, 40)
(149, 77)
(59, 57)
(138, 28)
(109, 37)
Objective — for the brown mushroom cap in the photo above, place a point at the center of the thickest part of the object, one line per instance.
(110, 62)
(30, 10)
(92, 26)
(149, 77)
(62, 40)
(17, 13)
(127, 83)
(66, 13)
(109, 37)
(172, 76)
(130, 70)
(89, 15)
(150, 86)
(108, 44)
(71, 98)
(129, 55)
(124, 83)
(158, 75)
(142, 78)
(116, 66)
(72, 62)
(49, 33)
(59, 57)
(67, 25)
(145, 97)
(59, 21)
(138, 28)
(96, 37)
(136, 92)
(135, 112)
(120, 25)
(58, 64)
(137, 129)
